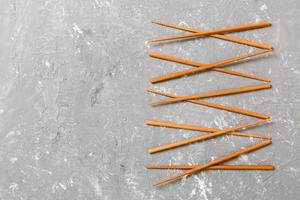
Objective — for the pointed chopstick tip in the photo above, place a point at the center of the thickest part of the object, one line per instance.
(147, 122)
(155, 21)
(150, 90)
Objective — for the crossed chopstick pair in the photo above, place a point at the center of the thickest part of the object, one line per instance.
(212, 132)
(218, 33)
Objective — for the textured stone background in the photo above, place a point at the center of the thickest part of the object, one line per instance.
(73, 75)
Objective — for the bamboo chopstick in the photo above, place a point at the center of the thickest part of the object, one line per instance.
(217, 31)
(214, 162)
(196, 64)
(214, 167)
(202, 137)
(236, 73)
(213, 94)
(214, 105)
(199, 128)
(219, 36)
(200, 67)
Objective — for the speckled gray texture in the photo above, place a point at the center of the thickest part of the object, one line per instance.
(73, 75)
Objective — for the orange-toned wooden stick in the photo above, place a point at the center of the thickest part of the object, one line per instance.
(199, 128)
(214, 105)
(219, 36)
(215, 162)
(217, 69)
(236, 73)
(213, 94)
(199, 67)
(217, 31)
(214, 167)
(202, 137)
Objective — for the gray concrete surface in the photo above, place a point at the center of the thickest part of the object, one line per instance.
(73, 75)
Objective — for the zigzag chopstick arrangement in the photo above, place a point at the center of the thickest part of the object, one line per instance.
(216, 164)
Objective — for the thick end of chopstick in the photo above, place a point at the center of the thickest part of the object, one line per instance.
(153, 150)
(153, 54)
(156, 80)
(266, 23)
(151, 123)
(268, 48)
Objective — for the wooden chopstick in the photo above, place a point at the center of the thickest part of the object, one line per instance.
(217, 31)
(214, 105)
(199, 128)
(236, 73)
(202, 137)
(219, 36)
(215, 162)
(196, 64)
(200, 67)
(214, 167)
(213, 94)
